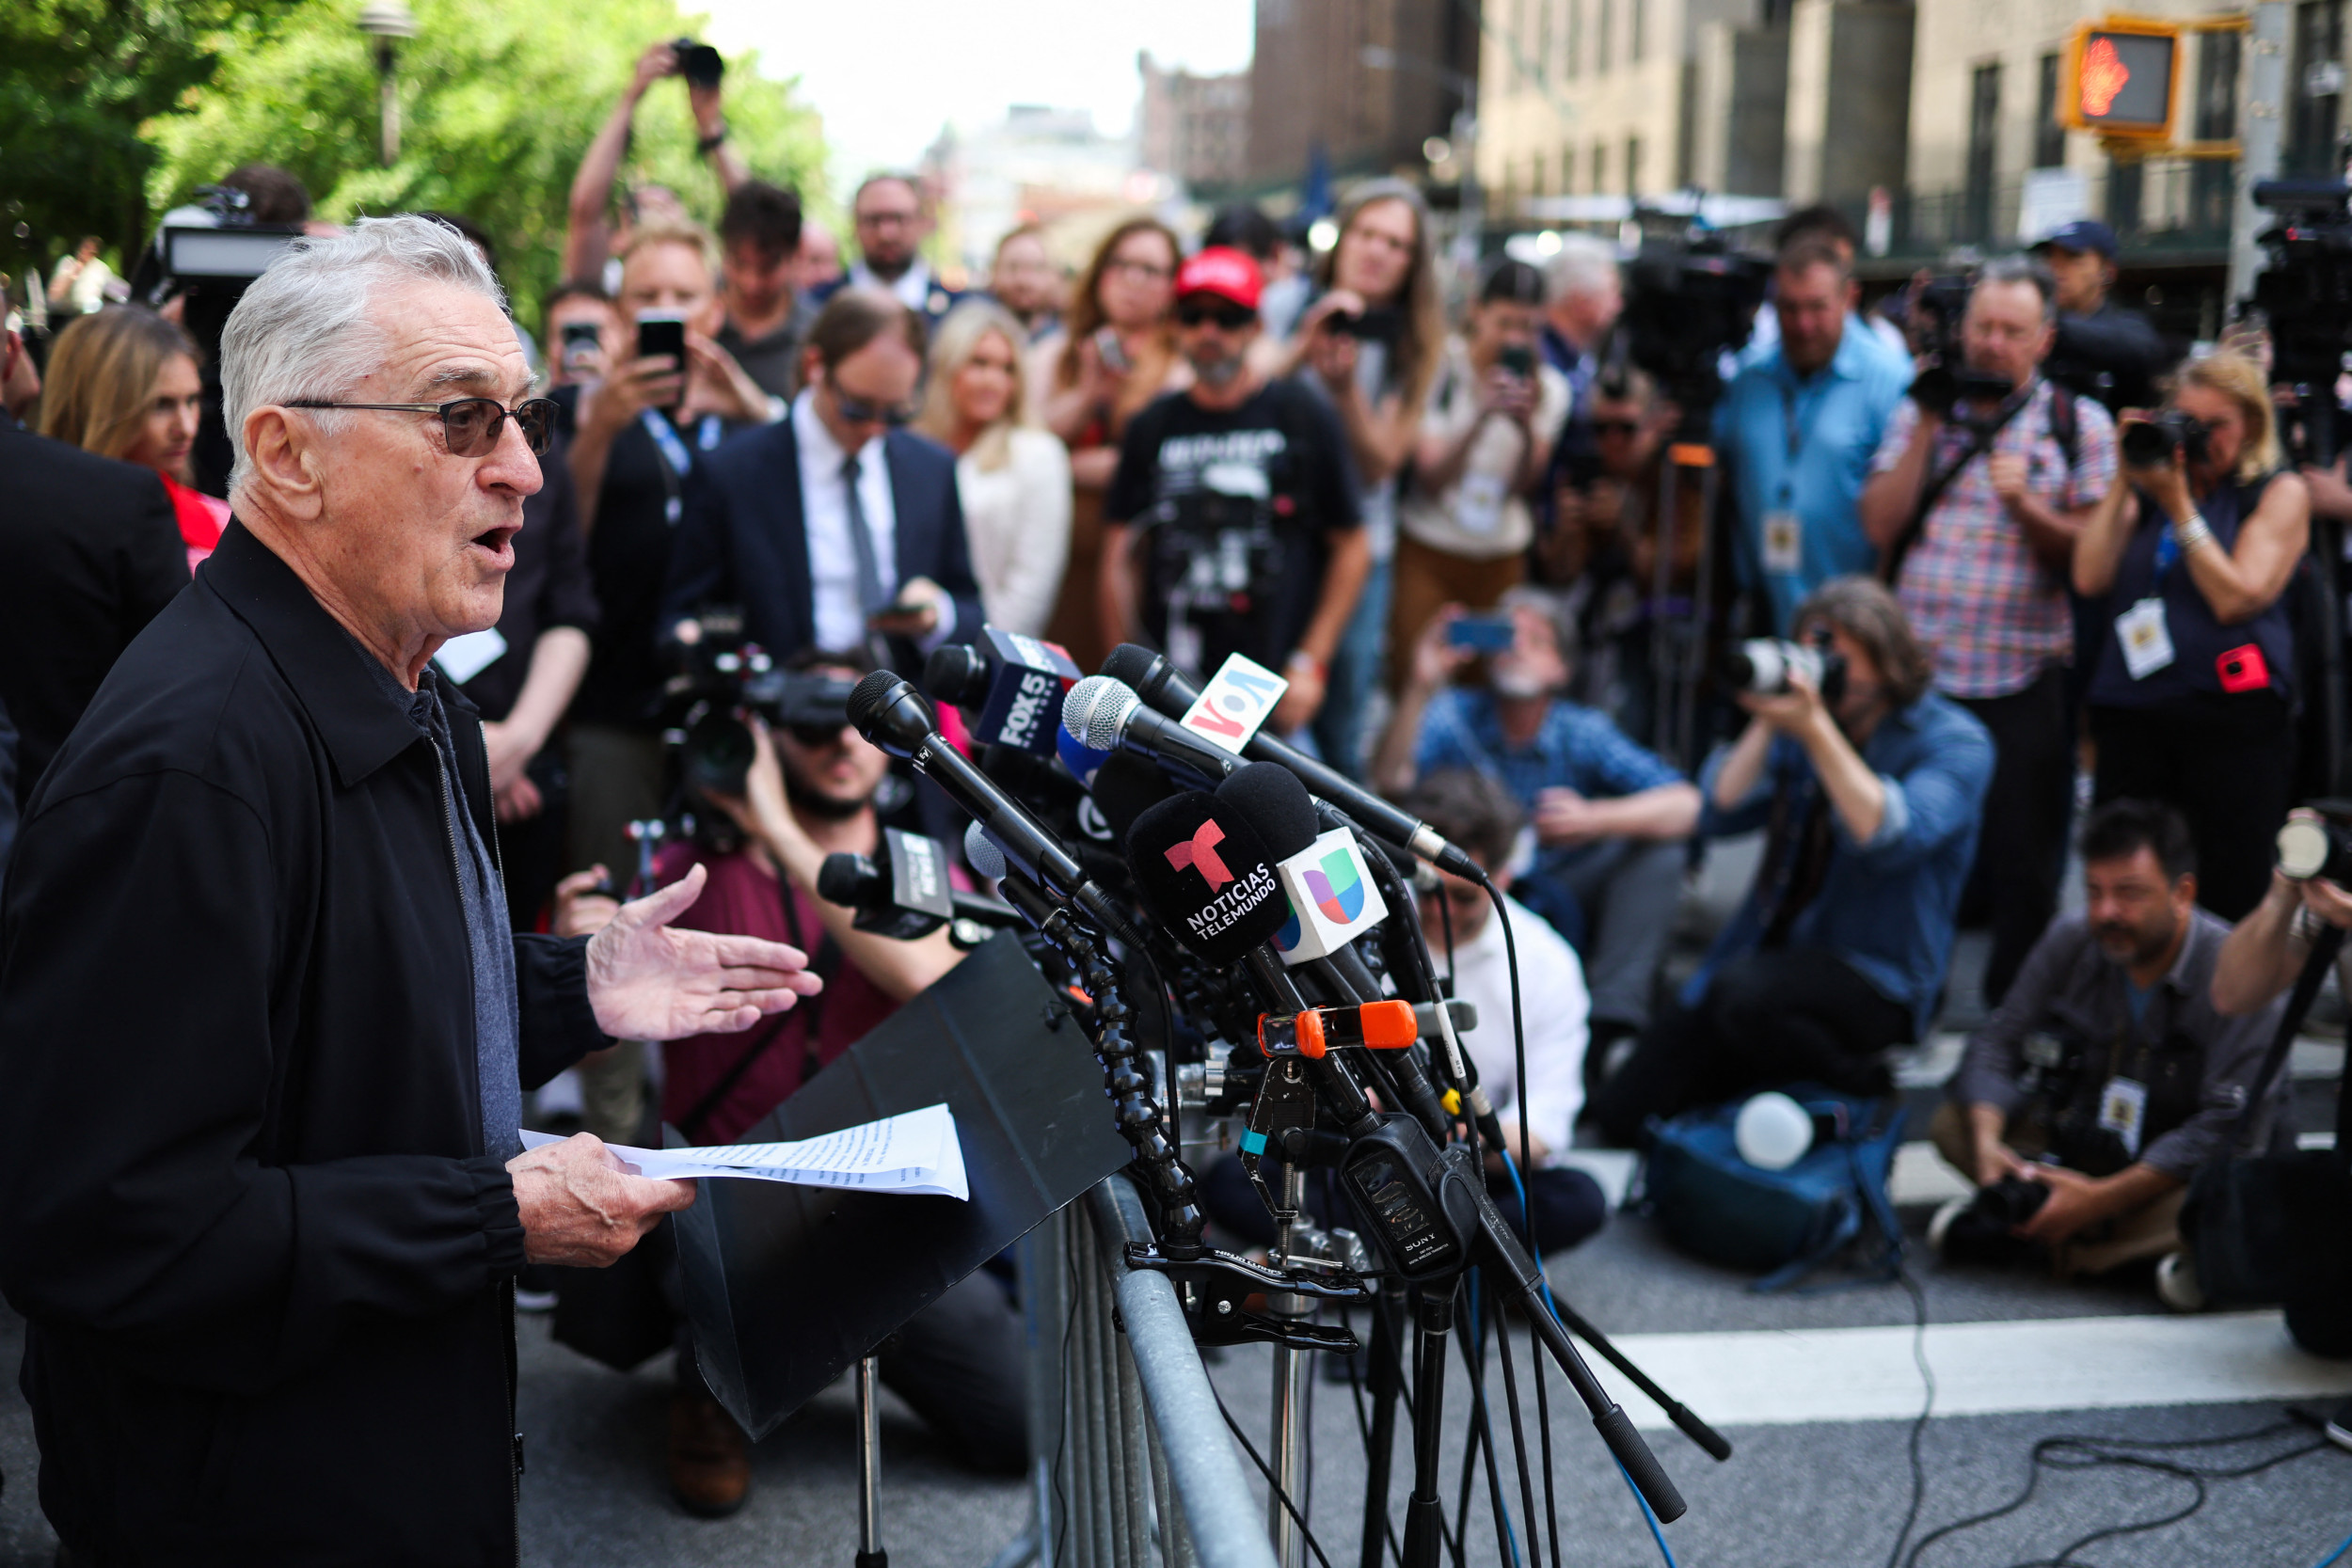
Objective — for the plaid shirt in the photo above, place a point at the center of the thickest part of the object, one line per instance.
(1973, 587)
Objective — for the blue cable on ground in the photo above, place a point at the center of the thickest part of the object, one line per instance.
(1657, 1533)
(2332, 1556)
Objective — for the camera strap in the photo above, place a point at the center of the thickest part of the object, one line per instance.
(1981, 439)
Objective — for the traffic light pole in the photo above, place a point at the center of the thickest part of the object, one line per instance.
(2262, 103)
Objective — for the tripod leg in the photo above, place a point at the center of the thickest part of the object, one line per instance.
(1288, 1432)
(1425, 1515)
(869, 1547)
(1385, 1378)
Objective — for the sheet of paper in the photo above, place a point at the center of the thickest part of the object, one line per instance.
(916, 1151)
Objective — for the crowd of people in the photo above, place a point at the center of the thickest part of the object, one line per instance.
(1437, 507)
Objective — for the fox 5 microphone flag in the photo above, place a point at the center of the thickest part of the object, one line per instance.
(1332, 898)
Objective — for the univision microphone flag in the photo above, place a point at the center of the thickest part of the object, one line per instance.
(1332, 896)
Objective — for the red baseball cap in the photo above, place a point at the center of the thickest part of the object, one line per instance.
(1222, 271)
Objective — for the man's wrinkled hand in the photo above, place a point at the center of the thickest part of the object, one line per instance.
(581, 1206)
(649, 981)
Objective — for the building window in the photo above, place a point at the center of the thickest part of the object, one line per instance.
(1985, 125)
(1576, 37)
(1567, 171)
(2211, 182)
(2126, 184)
(1600, 169)
(2315, 89)
(1633, 32)
(1543, 40)
(1601, 61)
(2049, 136)
(1633, 166)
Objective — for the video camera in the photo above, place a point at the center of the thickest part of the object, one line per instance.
(2305, 292)
(1690, 299)
(1944, 381)
(726, 680)
(206, 254)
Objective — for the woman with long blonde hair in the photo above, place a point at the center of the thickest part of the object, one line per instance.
(1115, 352)
(2192, 696)
(123, 382)
(1012, 477)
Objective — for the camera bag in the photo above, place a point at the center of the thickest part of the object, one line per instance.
(1785, 1224)
(2275, 1230)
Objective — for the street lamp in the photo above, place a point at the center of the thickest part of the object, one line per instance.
(388, 21)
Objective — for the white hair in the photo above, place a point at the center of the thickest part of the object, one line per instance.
(303, 331)
(1584, 265)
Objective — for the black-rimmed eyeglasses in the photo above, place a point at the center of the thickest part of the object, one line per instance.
(473, 425)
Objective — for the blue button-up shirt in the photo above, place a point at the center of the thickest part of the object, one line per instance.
(1886, 906)
(1574, 747)
(1803, 445)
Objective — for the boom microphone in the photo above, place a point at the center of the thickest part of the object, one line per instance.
(889, 712)
(1014, 684)
(1165, 689)
(1104, 715)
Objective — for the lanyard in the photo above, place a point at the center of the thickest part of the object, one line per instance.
(1789, 412)
(676, 462)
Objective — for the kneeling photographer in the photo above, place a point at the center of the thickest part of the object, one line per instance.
(1871, 786)
(808, 792)
(2192, 698)
(2108, 1075)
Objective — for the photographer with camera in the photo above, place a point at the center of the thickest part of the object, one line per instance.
(2266, 949)
(1870, 784)
(1976, 497)
(1796, 429)
(1466, 518)
(2108, 1075)
(591, 239)
(1610, 817)
(2104, 351)
(809, 793)
(2192, 700)
(1232, 524)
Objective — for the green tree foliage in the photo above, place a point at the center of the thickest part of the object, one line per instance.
(78, 79)
(499, 100)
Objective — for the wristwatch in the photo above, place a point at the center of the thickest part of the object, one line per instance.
(706, 145)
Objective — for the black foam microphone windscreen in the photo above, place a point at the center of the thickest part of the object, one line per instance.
(1276, 803)
(1206, 877)
(1126, 786)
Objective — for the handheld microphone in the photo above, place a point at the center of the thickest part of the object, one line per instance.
(1332, 898)
(1165, 691)
(1205, 874)
(1016, 685)
(1082, 760)
(1126, 788)
(912, 899)
(1104, 715)
(889, 712)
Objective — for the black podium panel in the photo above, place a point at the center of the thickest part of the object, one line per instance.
(787, 1286)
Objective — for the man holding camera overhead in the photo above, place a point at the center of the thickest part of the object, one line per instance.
(1976, 497)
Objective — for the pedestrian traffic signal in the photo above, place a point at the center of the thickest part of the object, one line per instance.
(2120, 78)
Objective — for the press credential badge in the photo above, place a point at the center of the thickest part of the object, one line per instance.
(2147, 641)
(1783, 542)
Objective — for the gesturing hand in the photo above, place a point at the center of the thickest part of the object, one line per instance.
(581, 1206)
(648, 981)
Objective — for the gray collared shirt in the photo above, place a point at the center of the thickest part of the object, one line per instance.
(489, 937)
(2069, 985)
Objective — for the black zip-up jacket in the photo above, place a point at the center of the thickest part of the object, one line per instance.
(244, 1202)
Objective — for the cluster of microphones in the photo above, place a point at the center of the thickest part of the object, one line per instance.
(1214, 891)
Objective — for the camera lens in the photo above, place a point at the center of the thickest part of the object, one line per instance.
(2149, 445)
(718, 753)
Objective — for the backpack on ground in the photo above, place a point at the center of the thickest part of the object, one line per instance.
(1786, 1222)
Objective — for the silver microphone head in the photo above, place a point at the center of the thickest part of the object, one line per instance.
(981, 852)
(1102, 707)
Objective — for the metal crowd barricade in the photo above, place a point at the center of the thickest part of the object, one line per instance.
(1133, 1463)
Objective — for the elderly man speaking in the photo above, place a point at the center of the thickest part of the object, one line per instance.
(263, 1028)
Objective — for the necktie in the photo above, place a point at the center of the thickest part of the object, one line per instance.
(870, 595)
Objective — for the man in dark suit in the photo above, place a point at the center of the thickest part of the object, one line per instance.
(92, 554)
(834, 529)
(890, 227)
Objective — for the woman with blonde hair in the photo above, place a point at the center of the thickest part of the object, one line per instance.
(2192, 696)
(123, 382)
(1114, 352)
(1012, 477)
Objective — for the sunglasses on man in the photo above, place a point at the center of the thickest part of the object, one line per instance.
(1228, 316)
(473, 425)
(860, 411)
